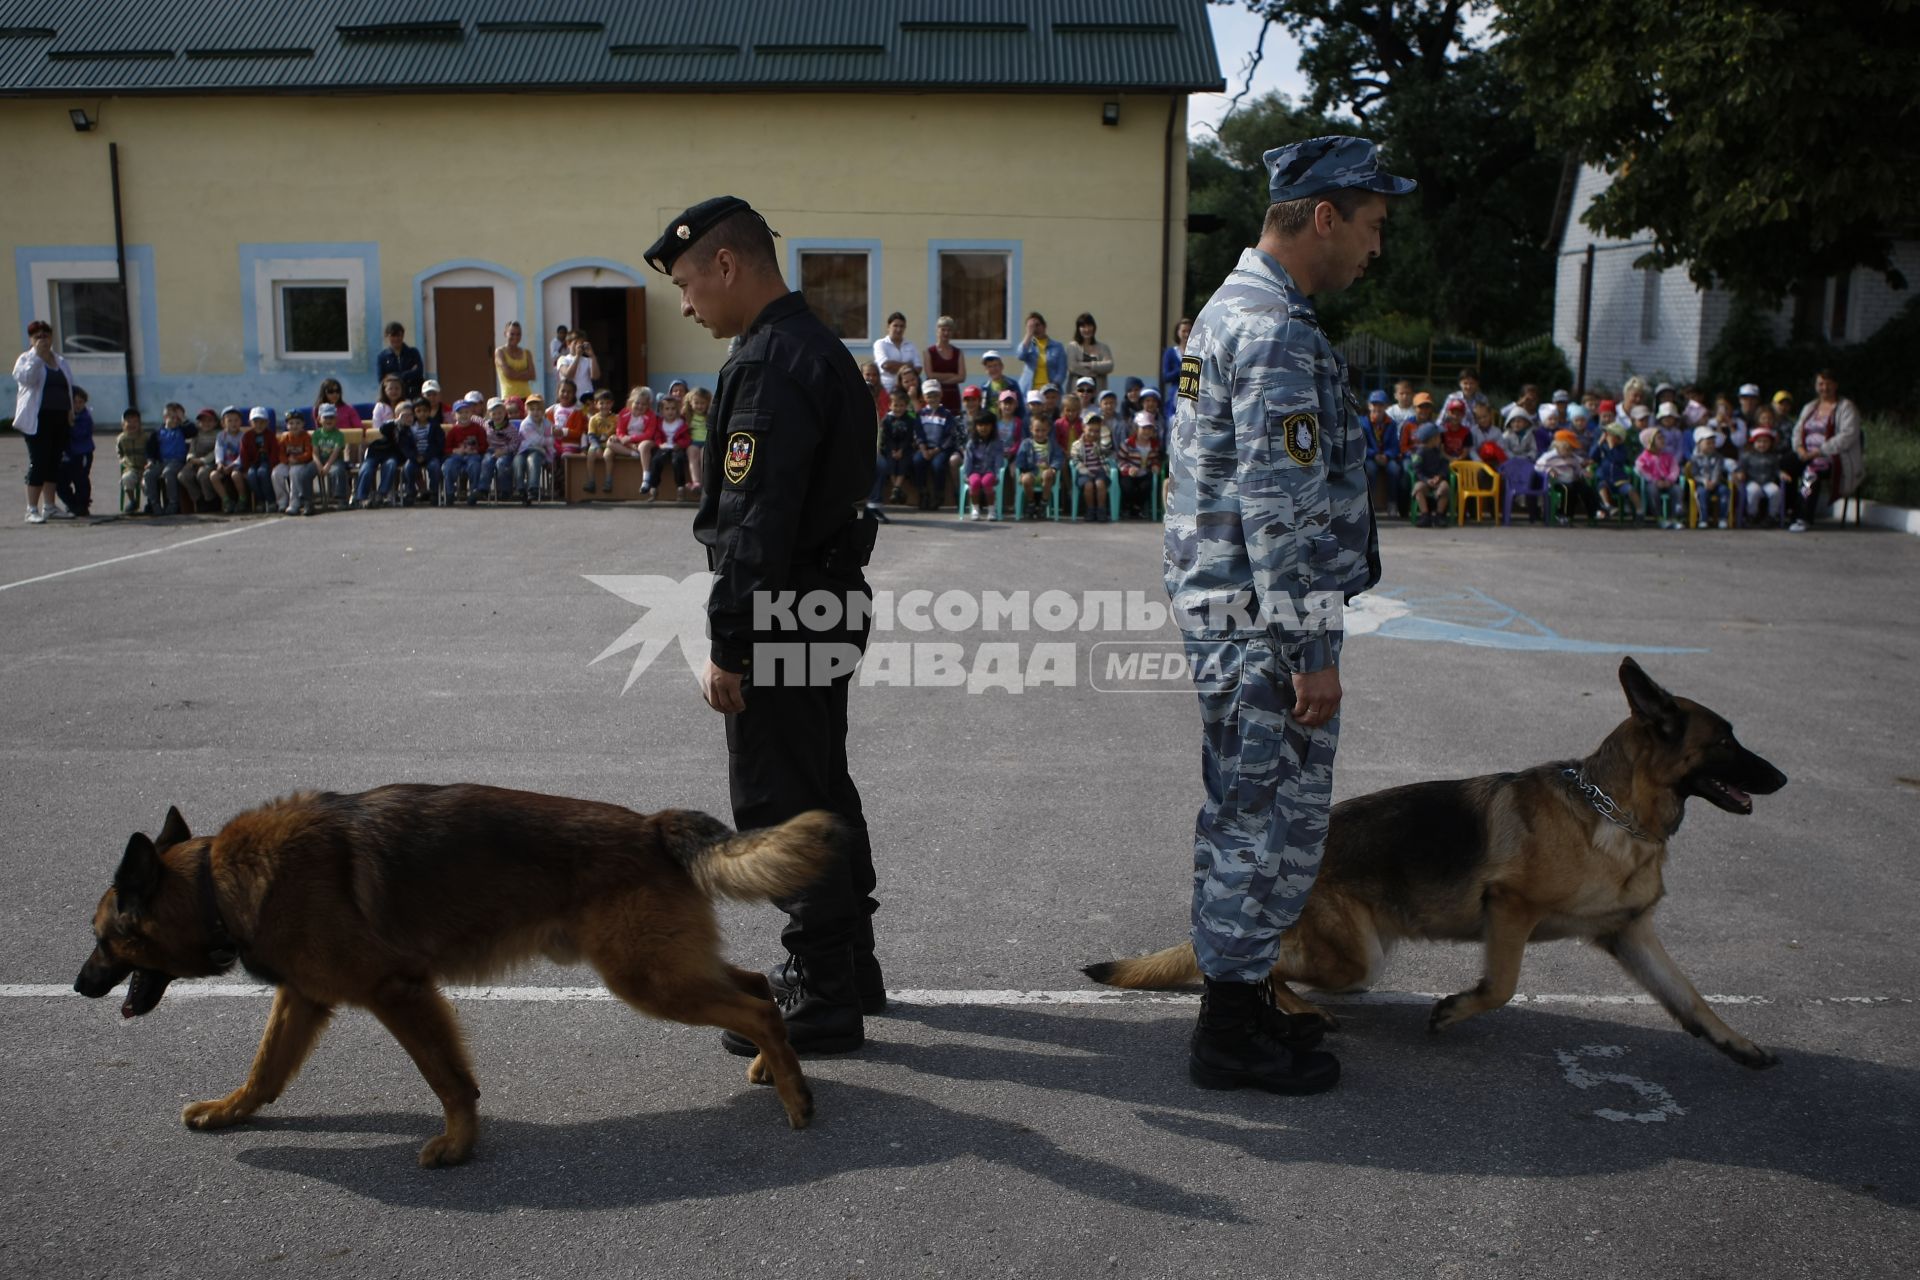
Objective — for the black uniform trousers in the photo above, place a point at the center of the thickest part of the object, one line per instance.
(787, 754)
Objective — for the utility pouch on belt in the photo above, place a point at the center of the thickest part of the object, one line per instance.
(850, 550)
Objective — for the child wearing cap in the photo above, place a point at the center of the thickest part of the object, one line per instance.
(1138, 456)
(196, 472)
(899, 436)
(466, 452)
(503, 442)
(1710, 474)
(938, 448)
(1673, 436)
(1613, 474)
(997, 381)
(1456, 437)
(536, 450)
(293, 474)
(1006, 421)
(1382, 436)
(1150, 403)
(259, 455)
(1661, 470)
(1759, 477)
(228, 483)
(1423, 415)
(330, 452)
(1038, 462)
(1565, 468)
(982, 464)
(1092, 454)
(436, 408)
(602, 427)
(131, 447)
(1431, 491)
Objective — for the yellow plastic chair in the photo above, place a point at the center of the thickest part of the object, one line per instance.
(1476, 482)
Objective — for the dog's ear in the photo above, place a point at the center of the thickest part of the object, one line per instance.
(173, 831)
(138, 878)
(1653, 705)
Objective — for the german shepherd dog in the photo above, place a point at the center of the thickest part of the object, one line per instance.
(1511, 858)
(374, 899)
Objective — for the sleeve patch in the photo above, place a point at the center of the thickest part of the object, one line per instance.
(1301, 432)
(1189, 385)
(742, 450)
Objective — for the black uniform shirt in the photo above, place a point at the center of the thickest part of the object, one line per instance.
(789, 459)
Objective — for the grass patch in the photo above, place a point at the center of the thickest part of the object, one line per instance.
(1893, 462)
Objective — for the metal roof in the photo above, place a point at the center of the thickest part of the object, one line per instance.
(66, 47)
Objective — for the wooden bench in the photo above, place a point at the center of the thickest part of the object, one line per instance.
(627, 477)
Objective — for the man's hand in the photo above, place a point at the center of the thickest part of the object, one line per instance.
(721, 689)
(1316, 696)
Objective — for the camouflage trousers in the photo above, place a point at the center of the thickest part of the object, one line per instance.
(1258, 840)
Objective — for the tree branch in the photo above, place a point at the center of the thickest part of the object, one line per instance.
(1253, 65)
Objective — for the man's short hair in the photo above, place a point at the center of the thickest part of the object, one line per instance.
(1290, 217)
(1469, 373)
(747, 236)
(129, 413)
(395, 329)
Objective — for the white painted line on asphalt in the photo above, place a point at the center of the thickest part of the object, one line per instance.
(998, 999)
(150, 551)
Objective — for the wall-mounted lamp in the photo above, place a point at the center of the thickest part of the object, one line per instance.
(82, 122)
(1110, 114)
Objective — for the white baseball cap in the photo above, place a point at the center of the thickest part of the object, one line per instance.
(991, 355)
(1750, 389)
(1084, 382)
(1036, 396)
(329, 410)
(1668, 410)
(260, 413)
(930, 387)
(429, 385)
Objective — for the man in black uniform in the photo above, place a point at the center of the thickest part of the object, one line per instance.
(789, 462)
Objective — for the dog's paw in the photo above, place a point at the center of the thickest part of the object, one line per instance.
(1446, 1012)
(758, 1072)
(217, 1113)
(444, 1152)
(1751, 1055)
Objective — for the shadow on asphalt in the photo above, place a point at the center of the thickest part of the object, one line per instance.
(1492, 1097)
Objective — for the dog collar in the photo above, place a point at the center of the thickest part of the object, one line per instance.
(224, 950)
(1603, 804)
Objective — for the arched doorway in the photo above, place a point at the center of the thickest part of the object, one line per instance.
(606, 299)
(464, 307)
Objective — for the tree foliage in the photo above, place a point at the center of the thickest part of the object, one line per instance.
(1760, 144)
(1470, 251)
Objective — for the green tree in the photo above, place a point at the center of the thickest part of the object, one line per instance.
(1759, 144)
(1473, 250)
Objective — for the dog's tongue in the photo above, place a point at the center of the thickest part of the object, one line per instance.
(1739, 796)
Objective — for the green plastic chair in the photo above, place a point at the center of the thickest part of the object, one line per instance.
(1113, 491)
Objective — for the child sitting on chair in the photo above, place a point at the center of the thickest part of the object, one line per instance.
(1565, 468)
(1431, 468)
(666, 441)
(983, 461)
(1662, 471)
(602, 427)
(1091, 454)
(1709, 473)
(1759, 475)
(1039, 462)
(1613, 476)
(1137, 457)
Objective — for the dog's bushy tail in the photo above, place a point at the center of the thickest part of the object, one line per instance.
(753, 866)
(1173, 967)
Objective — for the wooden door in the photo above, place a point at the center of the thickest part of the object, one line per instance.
(637, 337)
(463, 341)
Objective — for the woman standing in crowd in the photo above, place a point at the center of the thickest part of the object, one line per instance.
(1170, 360)
(513, 365)
(946, 365)
(1087, 356)
(43, 413)
(1826, 440)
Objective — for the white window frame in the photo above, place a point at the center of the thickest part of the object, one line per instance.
(280, 352)
(270, 274)
(800, 253)
(45, 279)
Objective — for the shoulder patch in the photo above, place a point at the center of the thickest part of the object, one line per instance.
(1301, 432)
(1189, 385)
(740, 456)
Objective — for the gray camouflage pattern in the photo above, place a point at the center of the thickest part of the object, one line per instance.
(1321, 164)
(1259, 838)
(1254, 522)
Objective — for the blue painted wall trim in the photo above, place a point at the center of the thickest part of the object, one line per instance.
(368, 252)
(876, 312)
(1015, 310)
(139, 271)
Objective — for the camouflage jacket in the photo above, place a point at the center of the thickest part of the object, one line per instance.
(1270, 525)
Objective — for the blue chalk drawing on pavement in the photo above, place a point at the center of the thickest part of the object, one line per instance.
(1470, 617)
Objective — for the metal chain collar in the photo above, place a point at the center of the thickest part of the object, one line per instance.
(1603, 804)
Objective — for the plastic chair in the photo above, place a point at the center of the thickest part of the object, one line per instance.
(1020, 496)
(1113, 491)
(1477, 483)
(1520, 479)
(964, 498)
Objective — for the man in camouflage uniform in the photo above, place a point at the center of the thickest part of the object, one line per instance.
(1269, 532)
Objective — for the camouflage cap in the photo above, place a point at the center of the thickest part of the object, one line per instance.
(1324, 164)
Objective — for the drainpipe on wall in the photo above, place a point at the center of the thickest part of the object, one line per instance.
(120, 262)
(1166, 230)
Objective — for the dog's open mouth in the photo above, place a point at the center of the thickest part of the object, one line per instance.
(144, 990)
(1724, 794)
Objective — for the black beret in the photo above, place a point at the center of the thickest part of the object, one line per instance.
(685, 230)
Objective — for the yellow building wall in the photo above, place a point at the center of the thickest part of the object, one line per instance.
(528, 181)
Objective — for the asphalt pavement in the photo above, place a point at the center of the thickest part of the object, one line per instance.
(996, 1124)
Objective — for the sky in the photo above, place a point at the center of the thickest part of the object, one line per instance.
(1235, 29)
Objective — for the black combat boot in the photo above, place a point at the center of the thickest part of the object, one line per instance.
(821, 1008)
(867, 982)
(1236, 1045)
